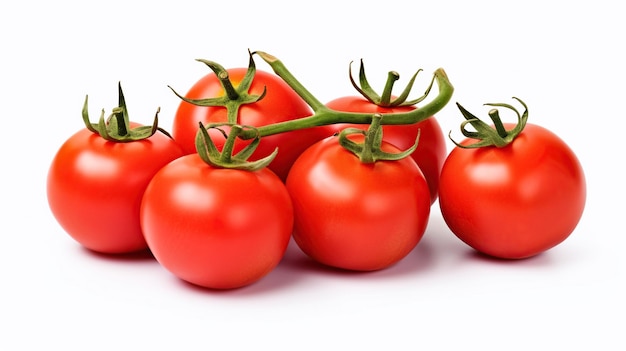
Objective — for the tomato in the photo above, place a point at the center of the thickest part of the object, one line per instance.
(215, 227)
(354, 215)
(279, 104)
(95, 187)
(514, 201)
(431, 151)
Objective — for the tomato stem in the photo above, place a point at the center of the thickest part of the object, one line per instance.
(123, 123)
(228, 85)
(385, 98)
(229, 144)
(494, 114)
(373, 139)
(324, 115)
(282, 71)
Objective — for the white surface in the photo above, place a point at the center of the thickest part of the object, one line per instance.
(565, 61)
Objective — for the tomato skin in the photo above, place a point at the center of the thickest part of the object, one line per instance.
(216, 228)
(517, 201)
(279, 104)
(431, 150)
(356, 216)
(95, 186)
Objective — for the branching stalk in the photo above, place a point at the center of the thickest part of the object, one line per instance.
(325, 116)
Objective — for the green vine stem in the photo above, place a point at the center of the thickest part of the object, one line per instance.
(370, 150)
(487, 135)
(117, 127)
(324, 116)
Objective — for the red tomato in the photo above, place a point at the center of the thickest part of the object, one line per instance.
(353, 215)
(516, 201)
(95, 187)
(279, 104)
(215, 227)
(431, 150)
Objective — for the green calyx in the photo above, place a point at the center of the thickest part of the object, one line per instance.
(207, 150)
(370, 150)
(495, 135)
(386, 99)
(117, 127)
(234, 97)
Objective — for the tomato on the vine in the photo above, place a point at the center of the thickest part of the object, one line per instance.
(216, 227)
(357, 215)
(97, 178)
(246, 96)
(431, 151)
(519, 191)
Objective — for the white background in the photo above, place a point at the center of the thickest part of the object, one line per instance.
(565, 61)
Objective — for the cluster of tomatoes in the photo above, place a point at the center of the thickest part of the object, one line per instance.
(225, 221)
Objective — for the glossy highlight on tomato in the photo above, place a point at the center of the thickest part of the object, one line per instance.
(216, 228)
(280, 103)
(95, 187)
(431, 150)
(515, 201)
(357, 216)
